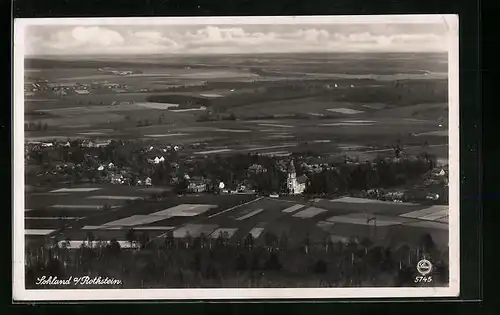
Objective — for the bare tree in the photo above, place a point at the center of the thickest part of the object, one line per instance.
(307, 243)
(249, 241)
(131, 237)
(90, 239)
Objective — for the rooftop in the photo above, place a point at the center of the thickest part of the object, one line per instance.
(302, 179)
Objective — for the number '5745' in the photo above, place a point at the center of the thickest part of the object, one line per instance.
(423, 279)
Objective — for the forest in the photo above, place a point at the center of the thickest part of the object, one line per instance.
(272, 262)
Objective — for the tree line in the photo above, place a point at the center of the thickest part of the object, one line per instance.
(382, 173)
(273, 261)
(39, 126)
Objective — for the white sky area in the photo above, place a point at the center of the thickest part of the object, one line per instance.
(234, 39)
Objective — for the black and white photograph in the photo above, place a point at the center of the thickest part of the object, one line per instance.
(236, 158)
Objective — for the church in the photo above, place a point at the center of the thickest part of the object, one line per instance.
(295, 185)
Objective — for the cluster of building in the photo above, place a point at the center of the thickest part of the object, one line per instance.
(116, 72)
(198, 185)
(122, 175)
(437, 177)
(157, 159)
(86, 88)
(33, 87)
(295, 184)
(39, 145)
(66, 88)
(316, 168)
(86, 143)
(61, 89)
(124, 178)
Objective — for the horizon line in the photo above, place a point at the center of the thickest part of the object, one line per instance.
(233, 54)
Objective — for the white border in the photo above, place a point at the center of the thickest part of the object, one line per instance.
(254, 20)
(20, 293)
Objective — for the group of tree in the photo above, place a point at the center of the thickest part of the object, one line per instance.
(31, 126)
(200, 260)
(89, 102)
(143, 123)
(402, 92)
(381, 174)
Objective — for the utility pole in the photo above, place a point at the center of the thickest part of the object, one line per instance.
(374, 219)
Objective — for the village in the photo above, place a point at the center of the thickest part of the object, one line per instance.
(136, 164)
(40, 87)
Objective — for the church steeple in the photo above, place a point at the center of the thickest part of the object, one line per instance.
(292, 178)
(291, 168)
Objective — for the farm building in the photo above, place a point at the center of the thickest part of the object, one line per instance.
(438, 173)
(82, 92)
(157, 160)
(197, 186)
(146, 182)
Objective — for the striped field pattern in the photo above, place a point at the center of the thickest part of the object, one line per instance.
(340, 218)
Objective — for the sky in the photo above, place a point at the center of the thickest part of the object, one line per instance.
(110, 39)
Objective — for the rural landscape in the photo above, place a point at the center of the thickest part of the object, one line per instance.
(244, 170)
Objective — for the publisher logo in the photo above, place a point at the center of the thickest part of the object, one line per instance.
(424, 267)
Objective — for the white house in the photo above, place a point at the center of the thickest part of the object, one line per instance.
(158, 160)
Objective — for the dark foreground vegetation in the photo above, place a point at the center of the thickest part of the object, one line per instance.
(201, 262)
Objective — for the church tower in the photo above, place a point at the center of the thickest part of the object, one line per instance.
(292, 178)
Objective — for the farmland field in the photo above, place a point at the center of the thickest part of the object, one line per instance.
(331, 106)
(321, 112)
(255, 215)
(315, 108)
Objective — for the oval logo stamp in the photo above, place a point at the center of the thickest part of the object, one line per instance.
(424, 267)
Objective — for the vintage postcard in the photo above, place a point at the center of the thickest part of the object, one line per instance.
(312, 157)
